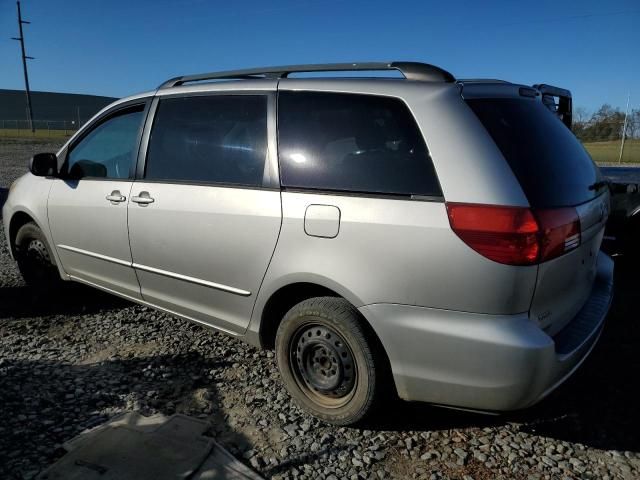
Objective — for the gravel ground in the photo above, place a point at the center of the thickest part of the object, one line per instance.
(72, 363)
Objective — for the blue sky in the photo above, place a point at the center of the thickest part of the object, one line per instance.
(118, 48)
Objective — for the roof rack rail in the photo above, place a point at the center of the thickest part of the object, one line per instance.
(410, 70)
(481, 80)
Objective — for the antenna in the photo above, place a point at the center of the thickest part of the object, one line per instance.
(24, 66)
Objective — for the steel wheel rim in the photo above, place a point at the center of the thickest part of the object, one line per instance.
(323, 364)
(36, 258)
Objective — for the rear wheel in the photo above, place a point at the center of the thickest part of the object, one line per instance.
(35, 260)
(328, 363)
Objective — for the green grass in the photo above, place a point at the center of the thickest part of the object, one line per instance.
(25, 133)
(609, 152)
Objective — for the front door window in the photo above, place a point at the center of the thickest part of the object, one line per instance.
(109, 150)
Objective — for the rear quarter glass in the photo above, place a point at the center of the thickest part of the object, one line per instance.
(549, 162)
(353, 143)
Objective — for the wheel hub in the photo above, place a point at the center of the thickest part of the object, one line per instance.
(37, 252)
(324, 361)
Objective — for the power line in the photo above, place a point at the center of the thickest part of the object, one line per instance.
(563, 18)
(24, 66)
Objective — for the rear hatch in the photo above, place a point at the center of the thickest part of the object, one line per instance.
(560, 180)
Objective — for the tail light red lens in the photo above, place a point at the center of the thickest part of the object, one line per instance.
(559, 231)
(515, 235)
(503, 234)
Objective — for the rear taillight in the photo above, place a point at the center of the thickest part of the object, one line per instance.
(515, 235)
(559, 231)
(503, 234)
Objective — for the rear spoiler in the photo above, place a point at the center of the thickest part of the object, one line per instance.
(563, 107)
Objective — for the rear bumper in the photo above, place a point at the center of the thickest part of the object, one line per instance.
(486, 362)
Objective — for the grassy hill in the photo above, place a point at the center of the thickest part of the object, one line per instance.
(609, 152)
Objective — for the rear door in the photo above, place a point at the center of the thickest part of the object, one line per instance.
(564, 283)
(555, 172)
(205, 216)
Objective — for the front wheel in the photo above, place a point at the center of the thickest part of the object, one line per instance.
(35, 260)
(329, 364)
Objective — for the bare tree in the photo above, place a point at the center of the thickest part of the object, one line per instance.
(633, 124)
(581, 115)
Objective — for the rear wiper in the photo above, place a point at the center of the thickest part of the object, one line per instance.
(599, 185)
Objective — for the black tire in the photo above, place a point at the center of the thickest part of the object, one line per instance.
(317, 373)
(35, 260)
(632, 249)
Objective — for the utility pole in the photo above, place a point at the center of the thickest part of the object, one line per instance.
(24, 66)
(624, 127)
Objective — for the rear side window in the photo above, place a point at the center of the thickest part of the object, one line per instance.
(551, 165)
(355, 143)
(214, 139)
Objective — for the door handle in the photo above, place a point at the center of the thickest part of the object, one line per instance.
(115, 197)
(143, 199)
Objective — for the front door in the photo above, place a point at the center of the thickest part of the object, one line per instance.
(87, 206)
(204, 220)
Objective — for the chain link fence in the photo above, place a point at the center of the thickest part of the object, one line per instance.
(44, 128)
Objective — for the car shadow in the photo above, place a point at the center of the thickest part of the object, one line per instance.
(597, 406)
(18, 302)
(46, 403)
(4, 193)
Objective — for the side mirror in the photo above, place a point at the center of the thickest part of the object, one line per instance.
(44, 165)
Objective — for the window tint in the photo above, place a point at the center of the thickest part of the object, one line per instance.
(110, 149)
(551, 165)
(215, 139)
(358, 143)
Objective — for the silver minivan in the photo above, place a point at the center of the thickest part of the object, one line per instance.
(417, 235)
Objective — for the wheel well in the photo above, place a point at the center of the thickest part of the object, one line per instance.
(17, 221)
(287, 297)
(281, 302)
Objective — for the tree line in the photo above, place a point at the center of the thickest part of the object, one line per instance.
(605, 124)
